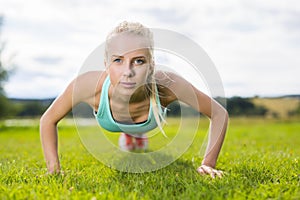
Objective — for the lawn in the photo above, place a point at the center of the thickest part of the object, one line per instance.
(260, 159)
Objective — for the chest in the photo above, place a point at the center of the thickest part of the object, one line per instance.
(130, 112)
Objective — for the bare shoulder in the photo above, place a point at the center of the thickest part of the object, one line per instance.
(88, 85)
(84, 88)
(174, 86)
(166, 84)
(91, 78)
(169, 79)
(163, 77)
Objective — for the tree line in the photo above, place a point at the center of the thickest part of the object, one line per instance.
(18, 108)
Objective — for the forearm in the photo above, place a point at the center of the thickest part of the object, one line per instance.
(48, 135)
(218, 126)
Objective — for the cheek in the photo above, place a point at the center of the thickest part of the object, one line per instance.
(144, 74)
(114, 75)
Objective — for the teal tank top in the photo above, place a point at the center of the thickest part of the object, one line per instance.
(106, 121)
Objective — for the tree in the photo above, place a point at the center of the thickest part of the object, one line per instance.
(239, 106)
(5, 105)
(3, 72)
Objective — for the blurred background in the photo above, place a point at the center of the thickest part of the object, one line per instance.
(254, 45)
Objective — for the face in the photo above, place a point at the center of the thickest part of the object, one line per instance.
(128, 63)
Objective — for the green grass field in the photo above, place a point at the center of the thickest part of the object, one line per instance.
(261, 159)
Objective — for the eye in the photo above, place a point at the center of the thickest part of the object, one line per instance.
(139, 61)
(117, 60)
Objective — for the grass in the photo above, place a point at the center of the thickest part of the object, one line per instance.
(260, 157)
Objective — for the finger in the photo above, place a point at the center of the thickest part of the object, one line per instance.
(207, 169)
(212, 174)
(201, 171)
(219, 173)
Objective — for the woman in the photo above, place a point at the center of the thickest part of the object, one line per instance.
(129, 96)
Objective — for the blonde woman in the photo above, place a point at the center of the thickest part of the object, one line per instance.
(129, 97)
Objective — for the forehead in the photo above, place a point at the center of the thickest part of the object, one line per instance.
(127, 43)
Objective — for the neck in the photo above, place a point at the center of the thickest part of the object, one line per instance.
(130, 108)
(139, 95)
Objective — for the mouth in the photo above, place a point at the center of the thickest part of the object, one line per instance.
(127, 85)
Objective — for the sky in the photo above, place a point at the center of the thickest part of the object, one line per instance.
(254, 45)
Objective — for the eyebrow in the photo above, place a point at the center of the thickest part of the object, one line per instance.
(117, 56)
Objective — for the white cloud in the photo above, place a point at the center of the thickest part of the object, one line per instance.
(254, 44)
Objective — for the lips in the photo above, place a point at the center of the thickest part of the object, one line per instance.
(128, 84)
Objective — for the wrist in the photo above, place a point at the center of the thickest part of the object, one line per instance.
(53, 167)
(208, 163)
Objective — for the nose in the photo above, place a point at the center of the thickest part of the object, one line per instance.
(128, 69)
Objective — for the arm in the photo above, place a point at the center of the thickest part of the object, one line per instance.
(48, 128)
(218, 125)
(86, 86)
(182, 90)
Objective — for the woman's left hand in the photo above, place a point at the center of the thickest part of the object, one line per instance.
(204, 169)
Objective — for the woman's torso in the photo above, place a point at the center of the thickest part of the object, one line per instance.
(138, 110)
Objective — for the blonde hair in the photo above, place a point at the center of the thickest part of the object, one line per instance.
(138, 29)
(134, 28)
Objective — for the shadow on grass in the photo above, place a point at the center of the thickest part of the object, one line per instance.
(149, 162)
(173, 179)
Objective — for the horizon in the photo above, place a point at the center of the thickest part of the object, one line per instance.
(227, 97)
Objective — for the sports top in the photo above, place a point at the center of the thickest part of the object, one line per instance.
(106, 120)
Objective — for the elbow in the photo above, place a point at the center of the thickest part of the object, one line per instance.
(225, 115)
(225, 118)
(43, 122)
(220, 114)
(46, 120)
